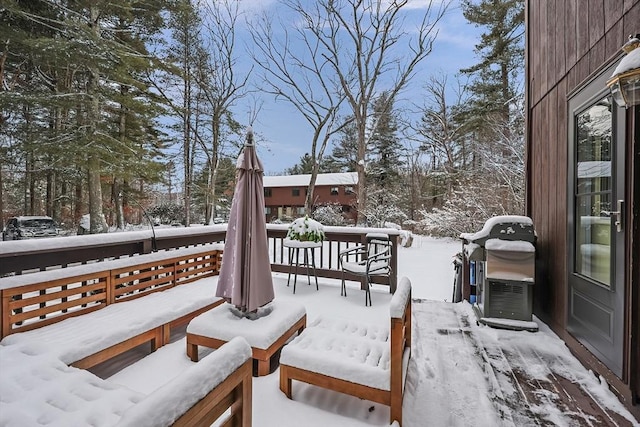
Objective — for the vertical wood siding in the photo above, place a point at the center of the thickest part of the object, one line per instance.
(568, 41)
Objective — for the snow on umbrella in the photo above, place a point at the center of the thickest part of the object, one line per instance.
(245, 276)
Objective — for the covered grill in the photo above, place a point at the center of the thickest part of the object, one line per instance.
(501, 258)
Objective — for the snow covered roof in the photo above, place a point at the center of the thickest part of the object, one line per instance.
(345, 178)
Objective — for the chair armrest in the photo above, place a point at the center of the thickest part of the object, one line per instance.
(352, 249)
(354, 252)
(380, 256)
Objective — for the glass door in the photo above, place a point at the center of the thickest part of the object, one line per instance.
(596, 276)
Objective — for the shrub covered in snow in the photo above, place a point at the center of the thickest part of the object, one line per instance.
(329, 214)
(306, 229)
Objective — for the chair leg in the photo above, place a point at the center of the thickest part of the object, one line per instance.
(290, 265)
(343, 289)
(313, 263)
(367, 295)
(295, 278)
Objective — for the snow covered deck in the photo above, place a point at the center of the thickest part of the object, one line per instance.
(460, 373)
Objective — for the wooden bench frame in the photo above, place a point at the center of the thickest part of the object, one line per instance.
(400, 340)
(261, 356)
(233, 393)
(38, 304)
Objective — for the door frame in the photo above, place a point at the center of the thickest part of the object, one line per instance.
(633, 253)
(580, 100)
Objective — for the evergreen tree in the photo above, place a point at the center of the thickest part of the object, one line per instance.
(304, 167)
(84, 107)
(343, 157)
(386, 150)
(501, 53)
(385, 188)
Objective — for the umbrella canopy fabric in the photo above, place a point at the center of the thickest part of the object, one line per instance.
(245, 276)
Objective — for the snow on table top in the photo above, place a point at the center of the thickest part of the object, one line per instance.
(400, 298)
(340, 355)
(77, 337)
(290, 243)
(39, 389)
(50, 275)
(161, 408)
(220, 323)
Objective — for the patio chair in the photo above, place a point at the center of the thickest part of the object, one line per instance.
(372, 259)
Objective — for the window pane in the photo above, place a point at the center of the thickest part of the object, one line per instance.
(593, 257)
(593, 192)
(594, 148)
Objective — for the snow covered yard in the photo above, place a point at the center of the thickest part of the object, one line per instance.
(460, 373)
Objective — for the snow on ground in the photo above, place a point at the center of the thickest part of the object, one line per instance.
(446, 385)
(452, 378)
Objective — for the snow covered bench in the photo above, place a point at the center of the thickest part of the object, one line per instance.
(37, 389)
(87, 314)
(353, 358)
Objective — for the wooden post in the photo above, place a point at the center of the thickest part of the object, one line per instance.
(393, 278)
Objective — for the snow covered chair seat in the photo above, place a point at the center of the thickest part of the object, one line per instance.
(39, 389)
(86, 340)
(355, 359)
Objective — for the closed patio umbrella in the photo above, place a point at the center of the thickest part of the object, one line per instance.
(245, 276)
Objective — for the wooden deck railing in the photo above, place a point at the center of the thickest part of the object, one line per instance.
(17, 258)
(64, 293)
(327, 256)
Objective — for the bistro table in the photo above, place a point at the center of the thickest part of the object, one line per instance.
(294, 247)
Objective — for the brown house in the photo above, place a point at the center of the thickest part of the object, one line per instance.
(284, 196)
(583, 178)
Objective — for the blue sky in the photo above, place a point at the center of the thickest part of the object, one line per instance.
(284, 135)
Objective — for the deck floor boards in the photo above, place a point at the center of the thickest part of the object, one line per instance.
(524, 381)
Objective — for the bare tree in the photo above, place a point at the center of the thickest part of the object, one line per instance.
(444, 128)
(221, 85)
(304, 79)
(370, 49)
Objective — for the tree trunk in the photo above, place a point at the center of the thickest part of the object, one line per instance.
(96, 217)
(79, 205)
(51, 189)
(117, 203)
(360, 168)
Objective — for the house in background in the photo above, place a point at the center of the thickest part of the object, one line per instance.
(284, 196)
(583, 184)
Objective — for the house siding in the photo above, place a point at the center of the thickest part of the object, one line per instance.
(568, 42)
